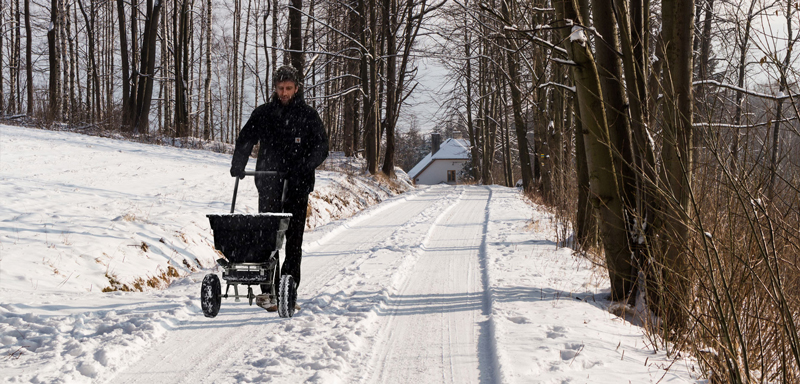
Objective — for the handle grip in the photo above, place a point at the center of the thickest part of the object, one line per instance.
(263, 173)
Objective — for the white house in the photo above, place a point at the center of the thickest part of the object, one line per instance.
(444, 164)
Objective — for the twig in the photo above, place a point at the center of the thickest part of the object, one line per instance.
(576, 354)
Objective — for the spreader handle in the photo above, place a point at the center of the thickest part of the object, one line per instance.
(263, 173)
(258, 173)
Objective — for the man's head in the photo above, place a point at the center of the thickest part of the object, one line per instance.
(287, 83)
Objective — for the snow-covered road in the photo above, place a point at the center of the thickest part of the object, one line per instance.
(442, 284)
(393, 296)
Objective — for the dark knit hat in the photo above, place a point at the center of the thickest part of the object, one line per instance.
(286, 73)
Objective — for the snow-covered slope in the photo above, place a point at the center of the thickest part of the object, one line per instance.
(441, 284)
(82, 213)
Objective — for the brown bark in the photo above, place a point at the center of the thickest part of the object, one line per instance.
(13, 60)
(390, 22)
(773, 161)
(471, 128)
(351, 98)
(586, 224)
(207, 129)
(676, 157)
(600, 163)
(2, 88)
(296, 36)
(28, 59)
(744, 41)
(54, 110)
(94, 113)
(180, 48)
(147, 59)
(520, 127)
(123, 42)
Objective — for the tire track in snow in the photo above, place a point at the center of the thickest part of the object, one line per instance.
(324, 340)
(200, 349)
(439, 302)
(333, 267)
(486, 280)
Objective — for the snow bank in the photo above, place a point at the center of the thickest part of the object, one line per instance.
(83, 213)
(551, 307)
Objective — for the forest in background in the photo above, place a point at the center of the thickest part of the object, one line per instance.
(665, 132)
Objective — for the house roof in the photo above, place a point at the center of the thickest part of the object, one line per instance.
(451, 149)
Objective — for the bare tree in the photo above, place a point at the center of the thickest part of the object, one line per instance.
(598, 145)
(180, 49)
(28, 60)
(55, 63)
(516, 99)
(296, 36)
(144, 92)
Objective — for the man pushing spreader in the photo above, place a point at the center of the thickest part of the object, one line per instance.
(292, 141)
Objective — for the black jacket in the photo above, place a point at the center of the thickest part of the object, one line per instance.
(292, 140)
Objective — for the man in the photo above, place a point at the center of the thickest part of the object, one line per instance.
(293, 142)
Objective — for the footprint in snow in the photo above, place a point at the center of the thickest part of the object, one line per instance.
(570, 351)
(518, 320)
(556, 332)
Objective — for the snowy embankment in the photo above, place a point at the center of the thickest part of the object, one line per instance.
(83, 213)
(441, 284)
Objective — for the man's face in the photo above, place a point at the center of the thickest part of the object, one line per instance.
(286, 91)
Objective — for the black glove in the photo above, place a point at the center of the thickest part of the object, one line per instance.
(236, 172)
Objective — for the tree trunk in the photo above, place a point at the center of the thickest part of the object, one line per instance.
(556, 138)
(179, 48)
(509, 168)
(369, 75)
(54, 111)
(634, 49)
(516, 102)
(165, 92)
(676, 157)
(72, 60)
(600, 162)
(207, 128)
(610, 73)
(586, 225)
(134, 96)
(13, 62)
(240, 102)
(390, 21)
(90, 34)
(737, 117)
(28, 60)
(483, 116)
(2, 89)
(471, 128)
(148, 60)
(351, 98)
(296, 36)
(773, 161)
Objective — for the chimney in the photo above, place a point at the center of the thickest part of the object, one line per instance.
(436, 142)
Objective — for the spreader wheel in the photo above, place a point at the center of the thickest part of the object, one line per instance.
(287, 296)
(210, 295)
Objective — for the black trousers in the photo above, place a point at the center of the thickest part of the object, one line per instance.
(296, 203)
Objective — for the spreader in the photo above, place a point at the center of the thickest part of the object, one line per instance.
(250, 244)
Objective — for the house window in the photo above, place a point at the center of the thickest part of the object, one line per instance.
(451, 176)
